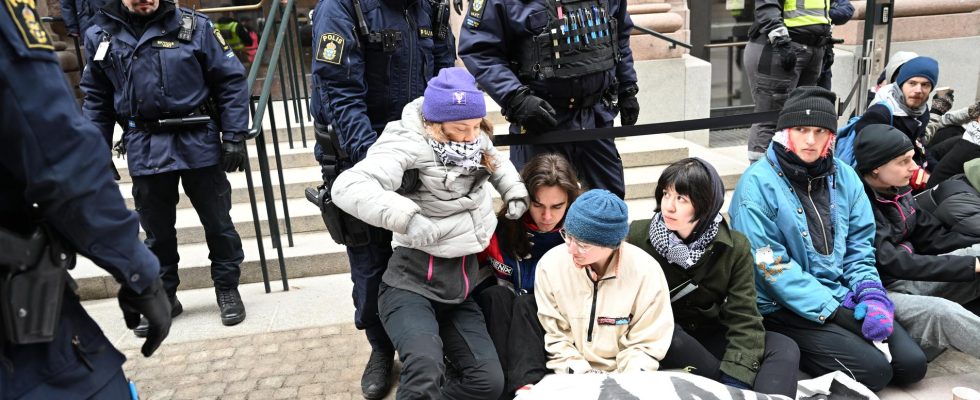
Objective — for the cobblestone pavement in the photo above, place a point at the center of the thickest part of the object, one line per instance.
(326, 363)
(312, 363)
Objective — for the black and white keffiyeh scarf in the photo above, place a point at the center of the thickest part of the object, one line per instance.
(673, 248)
(459, 154)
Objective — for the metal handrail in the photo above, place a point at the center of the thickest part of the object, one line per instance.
(250, 7)
(673, 42)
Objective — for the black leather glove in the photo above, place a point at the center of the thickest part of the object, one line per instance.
(783, 45)
(233, 156)
(154, 305)
(828, 56)
(458, 5)
(629, 107)
(530, 111)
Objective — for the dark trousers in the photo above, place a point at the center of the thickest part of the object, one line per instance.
(423, 331)
(771, 85)
(208, 189)
(776, 374)
(512, 322)
(597, 162)
(830, 347)
(367, 264)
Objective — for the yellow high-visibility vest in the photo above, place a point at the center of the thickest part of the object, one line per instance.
(806, 12)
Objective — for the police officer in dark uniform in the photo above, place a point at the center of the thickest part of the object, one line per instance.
(372, 57)
(557, 65)
(167, 76)
(785, 50)
(56, 198)
(78, 14)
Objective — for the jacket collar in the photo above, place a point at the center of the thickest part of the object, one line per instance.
(112, 19)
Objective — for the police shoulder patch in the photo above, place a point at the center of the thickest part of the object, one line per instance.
(330, 48)
(476, 9)
(221, 40)
(28, 22)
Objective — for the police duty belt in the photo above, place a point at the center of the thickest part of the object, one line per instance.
(582, 135)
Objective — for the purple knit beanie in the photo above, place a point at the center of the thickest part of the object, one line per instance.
(453, 96)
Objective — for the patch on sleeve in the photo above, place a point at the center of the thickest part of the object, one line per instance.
(221, 40)
(425, 33)
(28, 23)
(330, 48)
(475, 15)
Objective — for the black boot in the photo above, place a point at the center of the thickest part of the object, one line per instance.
(144, 326)
(232, 308)
(375, 383)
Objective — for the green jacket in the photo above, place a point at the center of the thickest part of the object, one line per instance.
(724, 299)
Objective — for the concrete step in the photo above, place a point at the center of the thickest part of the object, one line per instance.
(314, 253)
(305, 172)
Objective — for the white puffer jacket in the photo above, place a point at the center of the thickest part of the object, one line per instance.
(459, 203)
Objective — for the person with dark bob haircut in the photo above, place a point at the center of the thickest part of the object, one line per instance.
(718, 330)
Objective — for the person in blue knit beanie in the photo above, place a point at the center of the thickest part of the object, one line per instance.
(440, 220)
(602, 303)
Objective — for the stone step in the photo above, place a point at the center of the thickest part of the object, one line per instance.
(304, 217)
(305, 172)
(313, 254)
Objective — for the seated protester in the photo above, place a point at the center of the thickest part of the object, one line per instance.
(602, 302)
(708, 266)
(811, 229)
(890, 72)
(513, 255)
(909, 244)
(439, 226)
(957, 151)
(956, 202)
(904, 104)
(945, 123)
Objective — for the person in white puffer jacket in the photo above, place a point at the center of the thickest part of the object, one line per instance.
(440, 222)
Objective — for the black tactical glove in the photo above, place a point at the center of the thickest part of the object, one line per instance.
(783, 45)
(154, 305)
(629, 107)
(828, 56)
(458, 5)
(531, 112)
(233, 156)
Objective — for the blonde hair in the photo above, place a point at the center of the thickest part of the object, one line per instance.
(434, 130)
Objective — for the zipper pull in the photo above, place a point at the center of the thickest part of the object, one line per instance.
(76, 344)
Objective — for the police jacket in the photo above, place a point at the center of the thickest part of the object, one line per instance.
(804, 26)
(78, 14)
(908, 242)
(496, 33)
(360, 83)
(790, 273)
(145, 77)
(53, 165)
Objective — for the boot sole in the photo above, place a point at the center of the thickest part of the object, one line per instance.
(233, 321)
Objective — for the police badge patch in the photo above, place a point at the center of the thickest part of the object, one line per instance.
(221, 40)
(476, 13)
(331, 48)
(24, 15)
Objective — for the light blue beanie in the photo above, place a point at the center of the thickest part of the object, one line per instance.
(598, 217)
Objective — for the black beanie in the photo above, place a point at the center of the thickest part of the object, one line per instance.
(878, 144)
(809, 106)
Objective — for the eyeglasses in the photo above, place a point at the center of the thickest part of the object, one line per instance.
(580, 248)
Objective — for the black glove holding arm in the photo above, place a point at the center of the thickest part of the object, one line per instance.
(153, 304)
(531, 112)
(233, 156)
(783, 45)
(629, 107)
